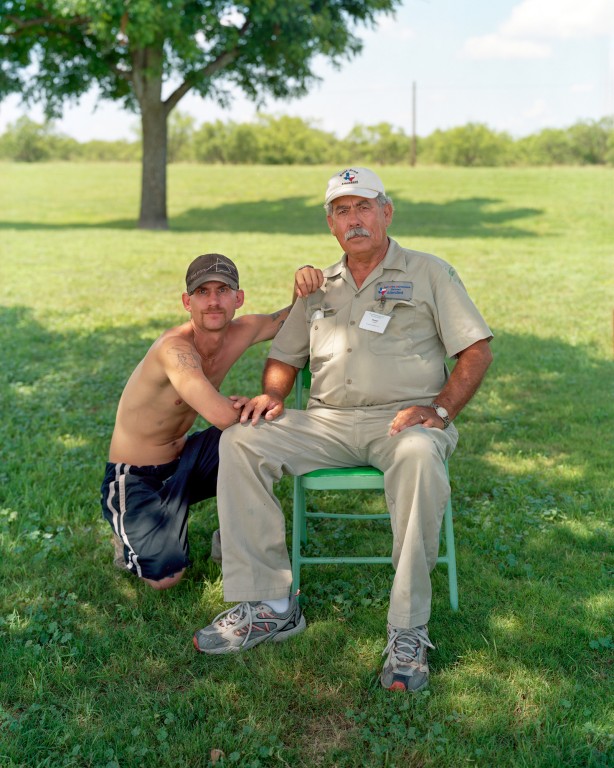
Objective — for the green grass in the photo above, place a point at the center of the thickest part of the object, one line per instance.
(98, 670)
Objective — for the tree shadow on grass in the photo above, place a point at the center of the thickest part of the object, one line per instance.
(61, 391)
(531, 559)
(462, 217)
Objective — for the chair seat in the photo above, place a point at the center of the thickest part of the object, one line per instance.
(358, 477)
(345, 472)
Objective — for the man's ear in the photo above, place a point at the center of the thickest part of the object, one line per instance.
(388, 213)
(185, 298)
(240, 298)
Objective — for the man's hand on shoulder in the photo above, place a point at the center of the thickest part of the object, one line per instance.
(267, 406)
(307, 279)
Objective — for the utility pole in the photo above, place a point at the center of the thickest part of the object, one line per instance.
(413, 124)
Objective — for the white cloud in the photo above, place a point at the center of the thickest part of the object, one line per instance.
(499, 47)
(560, 19)
(531, 22)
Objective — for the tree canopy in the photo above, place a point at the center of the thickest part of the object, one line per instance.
(148, 55)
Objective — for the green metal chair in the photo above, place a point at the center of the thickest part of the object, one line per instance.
(352, 478)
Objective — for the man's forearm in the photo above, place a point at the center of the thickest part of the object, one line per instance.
(466, 377)
(278, 379)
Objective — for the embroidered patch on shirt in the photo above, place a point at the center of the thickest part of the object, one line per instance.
(394, 290)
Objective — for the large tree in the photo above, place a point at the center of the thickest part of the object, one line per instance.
(148, 54)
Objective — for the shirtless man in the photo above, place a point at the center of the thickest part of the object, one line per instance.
(155, 469)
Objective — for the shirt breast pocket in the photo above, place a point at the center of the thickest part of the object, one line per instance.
(396, 340)
(322, 333)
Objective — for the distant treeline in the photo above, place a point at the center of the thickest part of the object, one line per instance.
(293, 141)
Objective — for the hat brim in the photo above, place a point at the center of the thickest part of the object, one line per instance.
(350, 191)
(218, 278)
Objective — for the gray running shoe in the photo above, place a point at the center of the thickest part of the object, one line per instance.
(216, 547)
(406, 668)
(248, 624)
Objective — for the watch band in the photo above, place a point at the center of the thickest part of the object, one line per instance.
(442, 413)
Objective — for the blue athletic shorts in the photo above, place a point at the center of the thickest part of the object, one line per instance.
(147, 507)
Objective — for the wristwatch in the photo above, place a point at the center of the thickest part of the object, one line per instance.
(442, 413)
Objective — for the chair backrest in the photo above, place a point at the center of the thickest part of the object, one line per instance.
(302, 382)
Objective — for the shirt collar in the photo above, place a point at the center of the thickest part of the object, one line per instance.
(393, 259)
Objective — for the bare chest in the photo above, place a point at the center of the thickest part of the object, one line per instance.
(216, 366)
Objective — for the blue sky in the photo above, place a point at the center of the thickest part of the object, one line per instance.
(516, 65)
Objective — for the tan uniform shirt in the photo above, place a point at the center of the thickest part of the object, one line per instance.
(431, 316)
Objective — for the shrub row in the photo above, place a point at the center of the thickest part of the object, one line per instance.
(291, 141)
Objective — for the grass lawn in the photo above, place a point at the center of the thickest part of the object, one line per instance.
(98, 670)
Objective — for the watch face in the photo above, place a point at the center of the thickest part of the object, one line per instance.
(441, 412)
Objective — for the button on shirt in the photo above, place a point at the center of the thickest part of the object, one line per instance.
(431, 317)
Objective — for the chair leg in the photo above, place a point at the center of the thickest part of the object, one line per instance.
(299, 536)
(298, 525)
(451, 556)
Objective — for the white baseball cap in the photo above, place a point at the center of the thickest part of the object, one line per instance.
(354, 181)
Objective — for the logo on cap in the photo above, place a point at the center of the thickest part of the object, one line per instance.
(211, 266)
(348, 176)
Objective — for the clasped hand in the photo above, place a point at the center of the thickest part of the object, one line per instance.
(422, 415)
(267, 406)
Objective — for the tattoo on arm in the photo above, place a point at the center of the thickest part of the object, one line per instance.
(276, 315)
(185, 357)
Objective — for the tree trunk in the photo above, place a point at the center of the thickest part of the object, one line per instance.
(147, 82)
(153, 175)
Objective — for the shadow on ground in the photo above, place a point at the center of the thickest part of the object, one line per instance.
(462, 217)
(93, 627)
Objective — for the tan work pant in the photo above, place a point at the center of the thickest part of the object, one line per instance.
(255, 558)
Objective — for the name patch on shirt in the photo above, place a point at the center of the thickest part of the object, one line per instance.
(394, 290)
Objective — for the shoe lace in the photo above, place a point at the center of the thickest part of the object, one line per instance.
(233, 615)
(236, 615)
(407, 643)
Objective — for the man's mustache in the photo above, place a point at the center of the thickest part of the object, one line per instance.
(357, 232)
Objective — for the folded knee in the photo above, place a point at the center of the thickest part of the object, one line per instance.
(166, 582)
(230, 437)
(418, 449)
